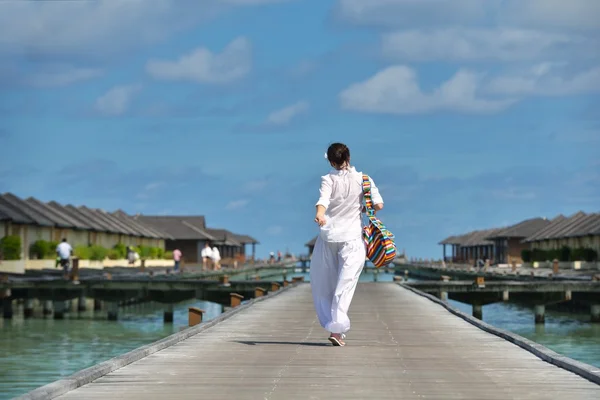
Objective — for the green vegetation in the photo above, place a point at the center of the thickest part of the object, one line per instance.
(43, 250)
(563, 254)
(10, 248)
(118, 252)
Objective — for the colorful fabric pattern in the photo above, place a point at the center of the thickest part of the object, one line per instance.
(381, 248)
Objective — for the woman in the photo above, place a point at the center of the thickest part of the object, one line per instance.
(339, 254)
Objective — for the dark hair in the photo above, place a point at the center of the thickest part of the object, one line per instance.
(64, 239)
(338, 154)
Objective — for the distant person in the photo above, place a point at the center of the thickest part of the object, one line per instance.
(278, 256)
(64, 251)
(130, 255)
(206, 253)
(271, 258)
(480, 263)
(215, 256)
(177, 258)
(340, 251)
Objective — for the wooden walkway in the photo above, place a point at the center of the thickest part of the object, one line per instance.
(402, 346)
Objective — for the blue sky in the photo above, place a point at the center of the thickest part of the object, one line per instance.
(468, 114)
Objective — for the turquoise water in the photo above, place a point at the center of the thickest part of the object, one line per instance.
(568, 334)
(37, 351)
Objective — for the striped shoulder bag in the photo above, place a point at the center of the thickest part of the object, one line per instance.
(381, 249)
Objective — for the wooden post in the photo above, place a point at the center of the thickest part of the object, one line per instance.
(81, 306)
(480, 281)
(297, 279)
(7, 308)
(445, 278)
(285, 283)
(195, 316)
(6, 292)
(168, 314)
(257, 277)
(236, 299)
(477, 311)
(224, 279)
(595, 313)
(397, 278)
(514, 265)
(555, 266)
(259, 292)
(274, 286)
(28, 308)
(540, 313)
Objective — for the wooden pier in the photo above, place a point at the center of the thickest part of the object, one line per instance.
(538, 294)
(111, 291)
(403, 345)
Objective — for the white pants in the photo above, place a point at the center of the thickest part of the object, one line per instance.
(334, 272)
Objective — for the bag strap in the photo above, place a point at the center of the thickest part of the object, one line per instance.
(366, 184)
(369, 203)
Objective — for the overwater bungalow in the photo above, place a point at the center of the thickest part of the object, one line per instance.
(506, 245)
(469, 247)
(33, 220)
(189, 234)
(580, 230)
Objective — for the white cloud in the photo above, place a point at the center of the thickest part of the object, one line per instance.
(237, 204)
(204, 66)
(478, 30)
(117, 100)
(505, 44)
(396, 90)
(574, 14)
(409, 12)
(58, 76)
(106, 26)
(285, 115)
(546, 79)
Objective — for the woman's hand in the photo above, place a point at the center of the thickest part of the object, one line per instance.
(320, 219)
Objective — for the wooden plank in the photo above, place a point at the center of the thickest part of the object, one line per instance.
(401, 346)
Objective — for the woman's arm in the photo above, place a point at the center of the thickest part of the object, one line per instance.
(324, 193)
(324, 199)
(376, 197)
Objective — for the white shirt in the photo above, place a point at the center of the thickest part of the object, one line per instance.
(342, 196)
(215, 254)
(64, 250)
(206, 252)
